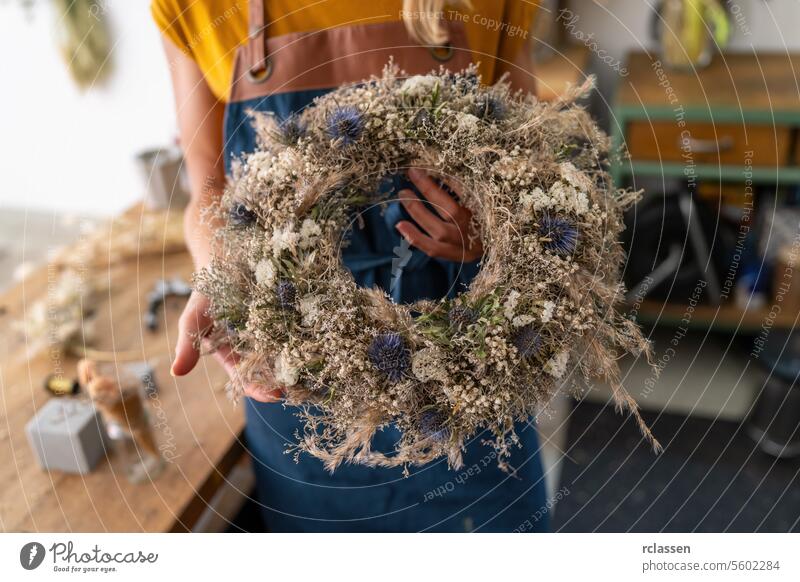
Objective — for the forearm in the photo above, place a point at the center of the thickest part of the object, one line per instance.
(202, 144)
(199, 228)
(200, 117)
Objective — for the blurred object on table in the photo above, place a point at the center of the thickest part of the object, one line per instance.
(118, 394)
(136, 233)
(164, 176)
(689, 31)
(67, 435)
(162, 290)
(62, 319)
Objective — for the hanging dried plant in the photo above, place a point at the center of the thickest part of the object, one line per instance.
(84, 40)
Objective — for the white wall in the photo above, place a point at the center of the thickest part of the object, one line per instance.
(70, 151)
(65, 150)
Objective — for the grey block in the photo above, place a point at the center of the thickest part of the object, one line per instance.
(67, 435)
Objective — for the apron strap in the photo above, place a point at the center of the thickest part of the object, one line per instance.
(258, 63)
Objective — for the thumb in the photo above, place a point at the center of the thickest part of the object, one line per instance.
(193, 322)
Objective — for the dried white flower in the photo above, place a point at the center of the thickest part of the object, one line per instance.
(265, 273)
(468, 122)
(568, 198)
(286, 370)
(309, 309)
(510, 304)
(284, 239)
(536, 199)
(426, 365)
(575, 177)
(309, 231)
(419, 85)
(557, 365)
(522, 320)
(547, 311)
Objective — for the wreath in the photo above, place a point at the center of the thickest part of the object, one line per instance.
(539, 315)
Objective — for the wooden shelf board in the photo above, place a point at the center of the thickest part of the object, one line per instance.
(726, 317)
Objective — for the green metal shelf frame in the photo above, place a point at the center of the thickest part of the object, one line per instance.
(623, 168)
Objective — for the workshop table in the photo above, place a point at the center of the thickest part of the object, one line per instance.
(192, 416)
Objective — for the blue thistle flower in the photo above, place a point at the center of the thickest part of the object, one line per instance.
(423, 119)
(461, 316)
(233, 326)
(291, 129)
(558, 234)
(389, 354)
(346, 124)
(463, 83)
(240, 215)
(286, 293)
(433, 425)
(529, 343)
(490, 108)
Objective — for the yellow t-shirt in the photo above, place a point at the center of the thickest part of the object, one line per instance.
(210, 31)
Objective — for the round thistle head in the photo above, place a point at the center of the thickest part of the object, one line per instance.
(345, 124)
(233, 326)
(240, 215)
(291, 130)
(465, 83)
(558, 234)
(433, 425)
(529, 343)
(389, 354)
(461, 316)
(286, 294)
(422, 119)
(490, 108)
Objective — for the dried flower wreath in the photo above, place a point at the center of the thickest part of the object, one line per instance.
(352, 361)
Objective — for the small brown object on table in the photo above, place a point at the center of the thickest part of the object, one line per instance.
(195, 425)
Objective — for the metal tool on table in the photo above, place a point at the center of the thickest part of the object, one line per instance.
(163, 289)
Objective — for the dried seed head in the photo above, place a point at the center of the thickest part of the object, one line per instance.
(529, 343)
(241, 216)
(286, 294)
(558, 234)
(346, 124)
(433, 425)
(389, 354)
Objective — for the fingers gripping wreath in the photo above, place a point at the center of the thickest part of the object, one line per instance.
(539, 315)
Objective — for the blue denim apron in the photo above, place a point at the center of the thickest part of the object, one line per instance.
(282, 75)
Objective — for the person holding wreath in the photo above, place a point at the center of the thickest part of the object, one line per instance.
(229, 58)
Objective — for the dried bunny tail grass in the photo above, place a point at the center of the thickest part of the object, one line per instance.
(356, 449)
(309, 191)
(598, 362)
(378, 307)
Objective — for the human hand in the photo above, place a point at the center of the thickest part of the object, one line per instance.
(446, 236)
(194, 323)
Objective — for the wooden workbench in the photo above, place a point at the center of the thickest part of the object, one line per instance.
(205, 427)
